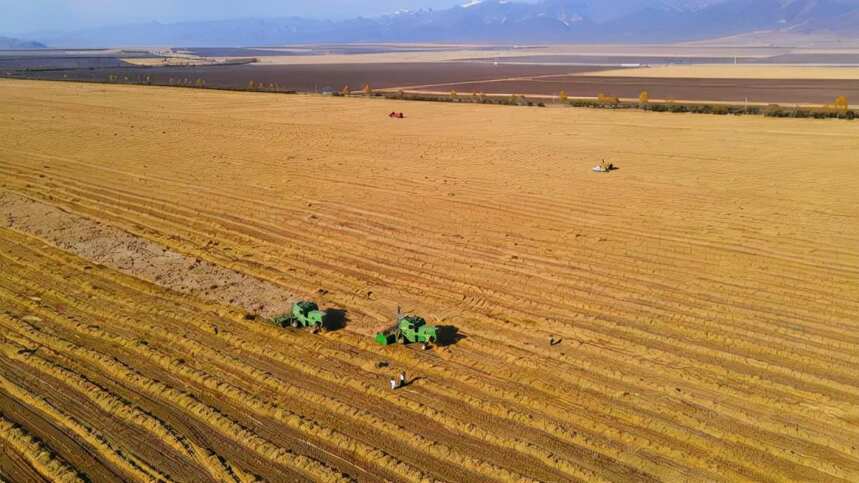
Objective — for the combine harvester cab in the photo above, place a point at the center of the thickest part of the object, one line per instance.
(407, 330)
(303, 314)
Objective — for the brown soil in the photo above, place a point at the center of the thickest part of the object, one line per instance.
(312, 78)
(782, 91)
(138, 257)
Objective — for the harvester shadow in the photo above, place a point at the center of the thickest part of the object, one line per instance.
(409, 382)
(335, 319)
(449, 335)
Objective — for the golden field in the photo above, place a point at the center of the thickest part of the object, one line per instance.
(739, 71)
(705, 294)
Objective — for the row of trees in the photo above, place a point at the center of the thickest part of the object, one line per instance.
(182, 81)
(188, 82)
(841, 103)
(124, 78)
(262, 86)
(643, 98)
(838, 109)
(366, 90)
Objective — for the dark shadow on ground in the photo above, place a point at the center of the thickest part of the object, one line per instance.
(449, 335)
(335, 319)
(409, 382)
(610, 169)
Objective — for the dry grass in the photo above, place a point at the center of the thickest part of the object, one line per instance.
(134, 468)
(705, 302)
(36, 453)
(705, 71)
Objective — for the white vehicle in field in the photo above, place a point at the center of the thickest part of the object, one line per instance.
(604, 167)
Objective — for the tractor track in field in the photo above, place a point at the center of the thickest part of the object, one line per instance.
(201, 376)
(711, 338)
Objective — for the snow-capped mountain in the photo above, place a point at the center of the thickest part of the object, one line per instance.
(506, 21)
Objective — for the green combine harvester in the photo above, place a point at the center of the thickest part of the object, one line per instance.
(304, 314)
(406, 330)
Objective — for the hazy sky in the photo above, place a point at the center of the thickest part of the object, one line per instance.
(21, 16)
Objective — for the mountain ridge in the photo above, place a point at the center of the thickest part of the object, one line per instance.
(18, 44)
(502, 20)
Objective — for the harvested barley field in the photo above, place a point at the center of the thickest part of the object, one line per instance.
(705, 295)
(739, 71)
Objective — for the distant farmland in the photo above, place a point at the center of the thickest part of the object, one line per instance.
(701, 74)
(691, 316)
(466, 78)
(310, 78)
(818, 91)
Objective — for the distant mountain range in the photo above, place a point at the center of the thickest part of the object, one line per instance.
(502, 21)
(9, 43)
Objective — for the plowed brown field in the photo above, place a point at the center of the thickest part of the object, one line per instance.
(705, 294)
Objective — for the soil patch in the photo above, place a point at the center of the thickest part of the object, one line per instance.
(314, 78)
(109, 246)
